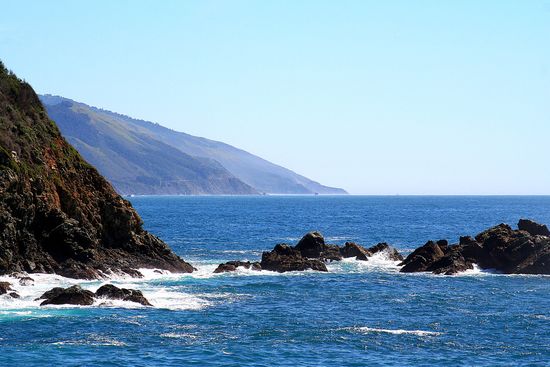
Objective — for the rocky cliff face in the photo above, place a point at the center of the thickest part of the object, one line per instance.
(57, 214)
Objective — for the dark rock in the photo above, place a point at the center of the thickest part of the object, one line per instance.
(5, 287)
(523, 251)
(52, 293)
(533, 228)
(14, 295)
(351, 249)
(285, 258)
(389, 251)
(311, 245)
(233, 265)
(331, 253)
(57, 213)
(74, 295)
(225, 268)
(421, 258)
(452, 263)
(112, 292)
(466, 240)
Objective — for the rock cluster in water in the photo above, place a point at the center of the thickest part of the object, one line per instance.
(311, 252)
(57, 213)
(75, 295)
(522, 251)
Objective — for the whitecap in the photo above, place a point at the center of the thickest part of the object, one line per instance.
(366, 329)
(179, 336)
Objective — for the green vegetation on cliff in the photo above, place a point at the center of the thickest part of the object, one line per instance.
(57, 213)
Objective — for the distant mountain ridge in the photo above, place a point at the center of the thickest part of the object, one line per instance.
(142, 157)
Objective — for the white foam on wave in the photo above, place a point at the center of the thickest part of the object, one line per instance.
(379, 262)
(366, 329)
(179, 336)
(167, 297)
(93, 340)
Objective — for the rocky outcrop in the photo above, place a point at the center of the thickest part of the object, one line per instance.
(313, 245)
(522, 251)
(74, 295)
(285, 258)
(533, 228)
(233, 265)
(423, 257)
(111, 292)
(57, 214)
(351, 249)
(311, 252)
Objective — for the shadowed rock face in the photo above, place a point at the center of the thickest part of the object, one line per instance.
(75, 295)
(57, 214)
(523, 251)
(69, 296)
(533, 227)
(111, 292)
(284, 258)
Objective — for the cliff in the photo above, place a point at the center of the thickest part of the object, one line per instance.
(57, 213)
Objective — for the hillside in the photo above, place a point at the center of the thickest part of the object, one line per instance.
(95, 132)
(57, 213)
(134, 162)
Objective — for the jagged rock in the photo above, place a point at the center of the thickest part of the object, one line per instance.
(351, 249)
(52, 293)
(74, 295)
(533, 227)
(523, 251)
(233, 265)
(112, 292)
(5, 287)
(311, 245)
(421, 258)
(389, 251)
(285, 258)
(331, 253)
(514, 252)
(57, 214)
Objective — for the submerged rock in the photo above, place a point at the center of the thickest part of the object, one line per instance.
(522, 251)
(233, 265)
(74, 295)
(112, 292)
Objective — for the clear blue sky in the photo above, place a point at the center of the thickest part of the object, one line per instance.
(378, 97)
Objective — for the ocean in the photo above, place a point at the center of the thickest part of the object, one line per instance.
(358, 314)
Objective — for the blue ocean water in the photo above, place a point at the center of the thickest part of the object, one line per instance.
(358, 314)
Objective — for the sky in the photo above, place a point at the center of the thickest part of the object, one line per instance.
(377, 97)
